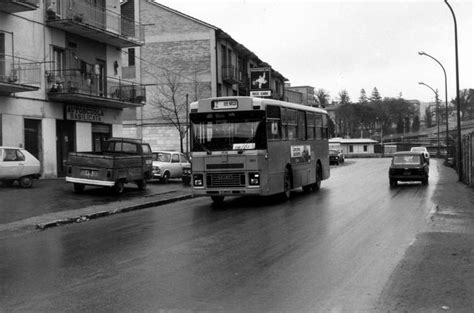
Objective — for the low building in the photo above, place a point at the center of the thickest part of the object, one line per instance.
(355, 146)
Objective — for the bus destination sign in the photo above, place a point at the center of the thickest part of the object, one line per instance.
(224, 104)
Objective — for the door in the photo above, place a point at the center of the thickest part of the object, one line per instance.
(33, 137)
(65, 143)
(100, 133)
(175, 166)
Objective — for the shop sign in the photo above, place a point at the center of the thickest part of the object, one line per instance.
(260, 78)
(260, 93)
(85, 114)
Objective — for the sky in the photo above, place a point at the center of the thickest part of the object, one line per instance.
(351, 44)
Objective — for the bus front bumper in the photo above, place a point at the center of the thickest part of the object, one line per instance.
(227, 192)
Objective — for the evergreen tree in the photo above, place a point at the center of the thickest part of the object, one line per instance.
(363, 96)
(344, 97)
(375, 97)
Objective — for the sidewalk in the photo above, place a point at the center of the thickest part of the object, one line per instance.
(53, 202)
(437, 272)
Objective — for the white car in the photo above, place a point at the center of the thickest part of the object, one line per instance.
(169, 164)
(421, 150)
(17, 164)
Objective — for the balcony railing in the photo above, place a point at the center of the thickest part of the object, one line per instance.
(89, 88)
(81, 18)
(230, 74)
(18, 74)
(14, 6)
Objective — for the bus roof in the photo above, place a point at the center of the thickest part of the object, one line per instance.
(262, 102)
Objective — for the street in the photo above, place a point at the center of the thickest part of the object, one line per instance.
(332, 250)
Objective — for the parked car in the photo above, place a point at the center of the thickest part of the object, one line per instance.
(408, 166)
(335, 157)
(169, 164)
(17, 164)
(121, 161)
(421, 150)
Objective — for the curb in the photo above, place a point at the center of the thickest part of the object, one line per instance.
(87, 217)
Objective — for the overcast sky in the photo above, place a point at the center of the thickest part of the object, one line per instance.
(351, 44)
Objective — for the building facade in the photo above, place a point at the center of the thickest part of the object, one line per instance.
(61, 82)
(185, 59)
(308, 97)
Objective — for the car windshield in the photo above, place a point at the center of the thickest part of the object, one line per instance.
(333, 152)
(406, 159)
(162, 156)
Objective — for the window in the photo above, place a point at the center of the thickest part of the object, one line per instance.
(310, 129)
(365, 148)
(291, 123)
(183, 159)
(58, 59)
(131, 57)
(146, 149)
(351, 148)
(13, 155)
(301, 126)
(175, 158)
(273, 123)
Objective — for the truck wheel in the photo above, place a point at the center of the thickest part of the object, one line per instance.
(186, 180)
(319, 175)
(118, 188)
(141, 184)
(26, 182)
(7, 182)
(285, 195)
(79, 188)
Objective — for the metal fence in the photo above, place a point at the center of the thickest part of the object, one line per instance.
(20, 71)
(90, 84)
(468, 159)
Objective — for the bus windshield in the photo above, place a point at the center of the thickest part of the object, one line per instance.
(228, 131)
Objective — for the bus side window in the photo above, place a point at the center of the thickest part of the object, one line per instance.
(324, 129)
(273, 128)
(319, 126)
(301, 126)
(284, 122)
(310, 131)
(292, 124)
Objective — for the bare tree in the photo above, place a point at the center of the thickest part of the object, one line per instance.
(322, 98)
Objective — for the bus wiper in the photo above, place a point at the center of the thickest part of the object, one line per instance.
(209, 152)
(242, 148)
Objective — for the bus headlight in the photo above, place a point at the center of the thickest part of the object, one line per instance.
(198, 180)
(254, 179)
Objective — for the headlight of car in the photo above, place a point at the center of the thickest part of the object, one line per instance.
(156, 169)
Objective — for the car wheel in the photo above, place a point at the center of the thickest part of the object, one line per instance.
(165, 178)
(26, 182)
(79, 188)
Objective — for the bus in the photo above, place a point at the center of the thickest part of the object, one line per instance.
(255, 146)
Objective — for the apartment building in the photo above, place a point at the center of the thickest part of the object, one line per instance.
(195, 59)
(61, 82)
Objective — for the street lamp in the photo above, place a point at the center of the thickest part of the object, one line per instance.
(445, 97)
(458, 102)
(437, 110)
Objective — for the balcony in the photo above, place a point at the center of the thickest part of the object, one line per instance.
(230, 74)
(74, 86)
(14, 6)
(80, 18)
(18, 75)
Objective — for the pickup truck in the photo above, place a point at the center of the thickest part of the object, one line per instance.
(122, 160)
